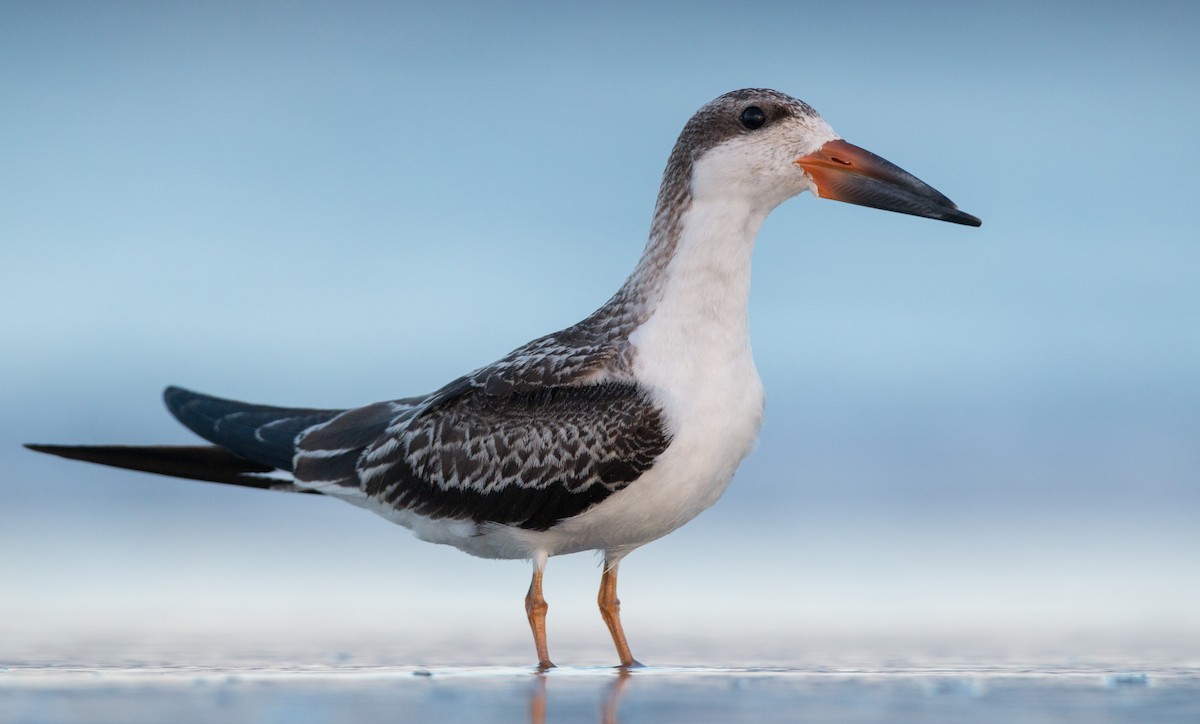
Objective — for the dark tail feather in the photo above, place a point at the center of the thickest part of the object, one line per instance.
(198, 462)
(258, 432)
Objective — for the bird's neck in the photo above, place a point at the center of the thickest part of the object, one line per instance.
(696, 266)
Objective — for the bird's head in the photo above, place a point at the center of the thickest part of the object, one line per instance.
(768, 146)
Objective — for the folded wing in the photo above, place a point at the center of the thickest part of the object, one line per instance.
(527, 457)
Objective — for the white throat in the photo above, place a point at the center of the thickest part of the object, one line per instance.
(698, 296)
(694, 347)
(704, 289)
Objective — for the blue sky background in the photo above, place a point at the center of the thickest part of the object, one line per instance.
(969, 431)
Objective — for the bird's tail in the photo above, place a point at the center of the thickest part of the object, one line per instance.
(197, 462)
(253, 445)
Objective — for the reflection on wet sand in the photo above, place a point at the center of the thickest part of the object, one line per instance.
(608, 706)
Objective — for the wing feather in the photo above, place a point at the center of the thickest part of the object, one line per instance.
(528, 457)
(260, 433)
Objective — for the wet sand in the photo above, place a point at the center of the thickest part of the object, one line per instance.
(993, 691)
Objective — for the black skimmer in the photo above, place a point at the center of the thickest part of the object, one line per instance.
(602, 436)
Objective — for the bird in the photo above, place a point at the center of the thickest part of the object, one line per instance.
(602, 436)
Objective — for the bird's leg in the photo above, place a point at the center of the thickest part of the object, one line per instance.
(610, 610)
(535, 608)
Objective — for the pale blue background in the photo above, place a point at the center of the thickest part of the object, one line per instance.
(969, 431)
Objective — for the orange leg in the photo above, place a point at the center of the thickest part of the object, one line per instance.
(610, 610)
(535, 608)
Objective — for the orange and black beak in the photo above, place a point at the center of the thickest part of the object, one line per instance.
(845, 172)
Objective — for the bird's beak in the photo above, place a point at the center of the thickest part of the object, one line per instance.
(845, 172)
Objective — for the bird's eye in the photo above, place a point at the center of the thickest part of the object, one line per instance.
(753, 118)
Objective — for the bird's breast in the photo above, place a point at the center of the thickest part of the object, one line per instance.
(712, 403)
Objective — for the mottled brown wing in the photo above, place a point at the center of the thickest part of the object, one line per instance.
(527, 458)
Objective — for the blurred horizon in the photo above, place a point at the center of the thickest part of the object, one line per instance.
(972, 431)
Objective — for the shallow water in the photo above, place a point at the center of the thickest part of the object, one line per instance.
(993, 691)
